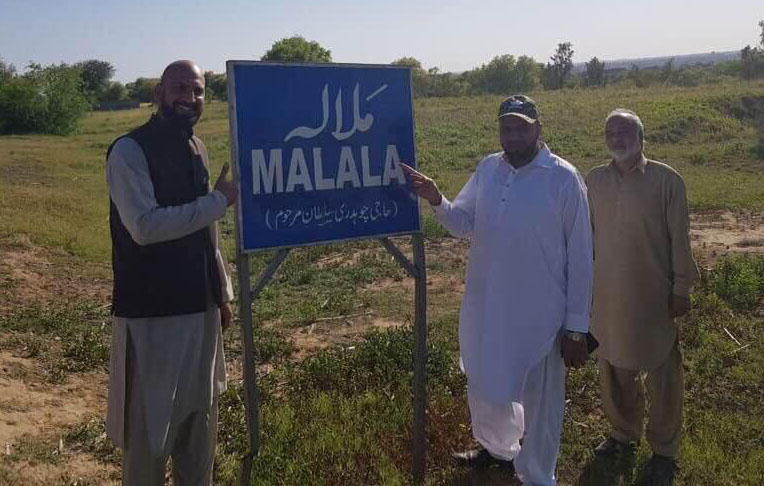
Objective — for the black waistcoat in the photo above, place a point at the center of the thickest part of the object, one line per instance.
(171, 277)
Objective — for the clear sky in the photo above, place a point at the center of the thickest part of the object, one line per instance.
(139, 37)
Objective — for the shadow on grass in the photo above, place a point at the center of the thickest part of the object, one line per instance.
(608, 471)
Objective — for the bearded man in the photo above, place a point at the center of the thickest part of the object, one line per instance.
(171, 290)
(643, 273)
(525, 311)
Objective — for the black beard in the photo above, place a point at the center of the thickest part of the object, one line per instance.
(523, 157)
(177, 120)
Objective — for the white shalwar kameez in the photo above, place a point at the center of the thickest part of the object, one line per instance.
(529, 277)
(166, 373)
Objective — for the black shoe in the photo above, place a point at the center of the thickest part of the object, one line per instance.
(480, 458)
(611, 448)
(659, 471)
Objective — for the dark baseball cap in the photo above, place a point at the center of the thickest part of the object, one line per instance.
(520, 106)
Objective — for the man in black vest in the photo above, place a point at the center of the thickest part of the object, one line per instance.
(171, 290)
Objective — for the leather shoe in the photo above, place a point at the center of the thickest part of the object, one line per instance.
(660, 471)
(611, 447)
(480, 458)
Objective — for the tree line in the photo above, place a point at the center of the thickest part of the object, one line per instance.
(52, 99)
(507, 74)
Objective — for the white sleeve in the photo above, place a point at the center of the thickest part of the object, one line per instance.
(131, 190)
(458, 217)
(580, 266)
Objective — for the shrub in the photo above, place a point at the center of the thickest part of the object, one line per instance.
(22, 107)
(739, 280)
(43, 100)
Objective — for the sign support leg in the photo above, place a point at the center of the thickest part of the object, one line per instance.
(251, 395)
(419, 437)
(246, 295)
(250, 386)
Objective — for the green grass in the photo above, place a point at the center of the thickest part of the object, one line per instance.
(305, 289)
(65, 337)
(343, 415)
(711, 134)
(740, 281)
(724, 415)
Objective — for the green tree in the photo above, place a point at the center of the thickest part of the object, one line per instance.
(526, 74)
(558, 71)
(419, 78)
(409, 61)
(297, 49)
(142, 89)
(548, 77)
(96, 78)
(504, 75)
(216, 86)
(115, 92)
(43, 100)
(752, 58)
(446, 84)
(595, 72)
(497, 74)
(7, 71)
(667, 71)
(22, 107)
(753, 62)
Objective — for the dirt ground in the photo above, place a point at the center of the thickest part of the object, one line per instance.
(30, 274)
(716, 233)
(32, 407)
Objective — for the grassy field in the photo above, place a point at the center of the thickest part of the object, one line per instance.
(335, 340)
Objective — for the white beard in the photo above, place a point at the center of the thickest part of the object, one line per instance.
(621, 155)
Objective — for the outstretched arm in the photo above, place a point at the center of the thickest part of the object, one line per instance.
(458, 216)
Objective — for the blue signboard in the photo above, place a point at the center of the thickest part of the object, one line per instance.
(317, 151)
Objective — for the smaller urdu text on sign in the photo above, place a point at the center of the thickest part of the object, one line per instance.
(319, 149)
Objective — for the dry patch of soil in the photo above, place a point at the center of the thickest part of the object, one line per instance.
(31, 407)
(33, 275)
(340, 331)
(717, 233)
(75, 469)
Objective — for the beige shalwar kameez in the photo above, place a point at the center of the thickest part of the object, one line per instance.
(642, 256)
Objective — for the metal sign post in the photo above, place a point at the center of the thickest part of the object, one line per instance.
(311, 171)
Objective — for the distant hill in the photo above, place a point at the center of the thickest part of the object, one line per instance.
(705, 59)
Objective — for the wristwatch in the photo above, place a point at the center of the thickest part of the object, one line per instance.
(574, 336)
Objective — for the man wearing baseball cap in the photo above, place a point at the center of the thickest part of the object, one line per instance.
(525, 310)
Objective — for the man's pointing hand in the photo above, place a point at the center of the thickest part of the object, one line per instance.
(423, 186)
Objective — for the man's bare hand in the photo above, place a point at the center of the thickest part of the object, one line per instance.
(226, 316)
(678, 306)
(574, 353)
(228, 188)
(423, 186)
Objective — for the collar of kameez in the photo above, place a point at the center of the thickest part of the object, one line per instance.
(640, 165)
(542, 159)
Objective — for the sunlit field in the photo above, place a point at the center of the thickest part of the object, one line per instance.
(334, 337)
